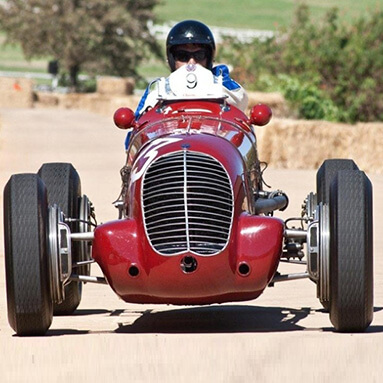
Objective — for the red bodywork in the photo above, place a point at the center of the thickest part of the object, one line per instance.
(248, 262)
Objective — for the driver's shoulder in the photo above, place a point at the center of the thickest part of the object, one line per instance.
(220, 70)
(153, 85)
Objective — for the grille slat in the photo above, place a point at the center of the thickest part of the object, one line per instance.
(209, 174)
(157, 191)
(187, 204)
(159, 208)
(164, 195)
(215, 209)
(162, 164)
(214, 165)
(206, 226)
(196, 178)
(210, 189)
(162, 222)
(199, 213)
(160, 176)
(172, 213)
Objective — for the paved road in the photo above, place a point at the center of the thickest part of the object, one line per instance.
(283, 335)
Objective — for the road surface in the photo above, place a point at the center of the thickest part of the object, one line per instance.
(282, 336)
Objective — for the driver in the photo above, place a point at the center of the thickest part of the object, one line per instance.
(191, 42)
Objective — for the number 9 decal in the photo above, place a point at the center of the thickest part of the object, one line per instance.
(191, 80)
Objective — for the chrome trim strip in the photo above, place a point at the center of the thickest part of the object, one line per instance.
(186, 199)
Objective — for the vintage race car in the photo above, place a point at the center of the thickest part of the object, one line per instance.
(195, 225)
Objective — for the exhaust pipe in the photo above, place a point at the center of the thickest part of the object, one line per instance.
(268, 202)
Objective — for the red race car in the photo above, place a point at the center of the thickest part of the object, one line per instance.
(195, 224)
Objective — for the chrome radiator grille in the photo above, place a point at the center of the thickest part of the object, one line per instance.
(187, 204)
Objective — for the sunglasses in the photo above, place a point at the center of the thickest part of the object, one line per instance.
(185, 56)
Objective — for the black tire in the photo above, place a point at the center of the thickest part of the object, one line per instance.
(327, 172)
(64, 189)
(29, 298)
(325, 175)
(351, 251)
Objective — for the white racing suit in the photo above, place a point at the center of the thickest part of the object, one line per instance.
(236, 95)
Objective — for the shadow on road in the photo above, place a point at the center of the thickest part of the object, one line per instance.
(209, 319)
(218, 319)
(85, 312)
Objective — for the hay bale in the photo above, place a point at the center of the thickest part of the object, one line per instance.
(126, 102)
(115, 85)
(104, 104)
(93, 102)
(96, 103)
(299, 144)
(46, 100)
(16, 92)
(274, 100)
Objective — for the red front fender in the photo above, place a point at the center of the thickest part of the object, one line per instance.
(240, 272)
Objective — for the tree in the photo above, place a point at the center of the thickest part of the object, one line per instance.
(109, 37)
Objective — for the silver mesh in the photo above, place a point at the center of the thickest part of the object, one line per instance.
(187, 204)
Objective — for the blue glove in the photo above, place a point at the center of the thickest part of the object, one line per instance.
(227, 81)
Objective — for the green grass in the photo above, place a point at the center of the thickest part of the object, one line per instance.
(12, 59)
(256, 14)
(253, 14)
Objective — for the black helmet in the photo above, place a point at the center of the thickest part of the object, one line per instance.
(190, 32)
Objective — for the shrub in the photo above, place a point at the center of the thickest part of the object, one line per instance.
(328, 69)
(310, 102)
